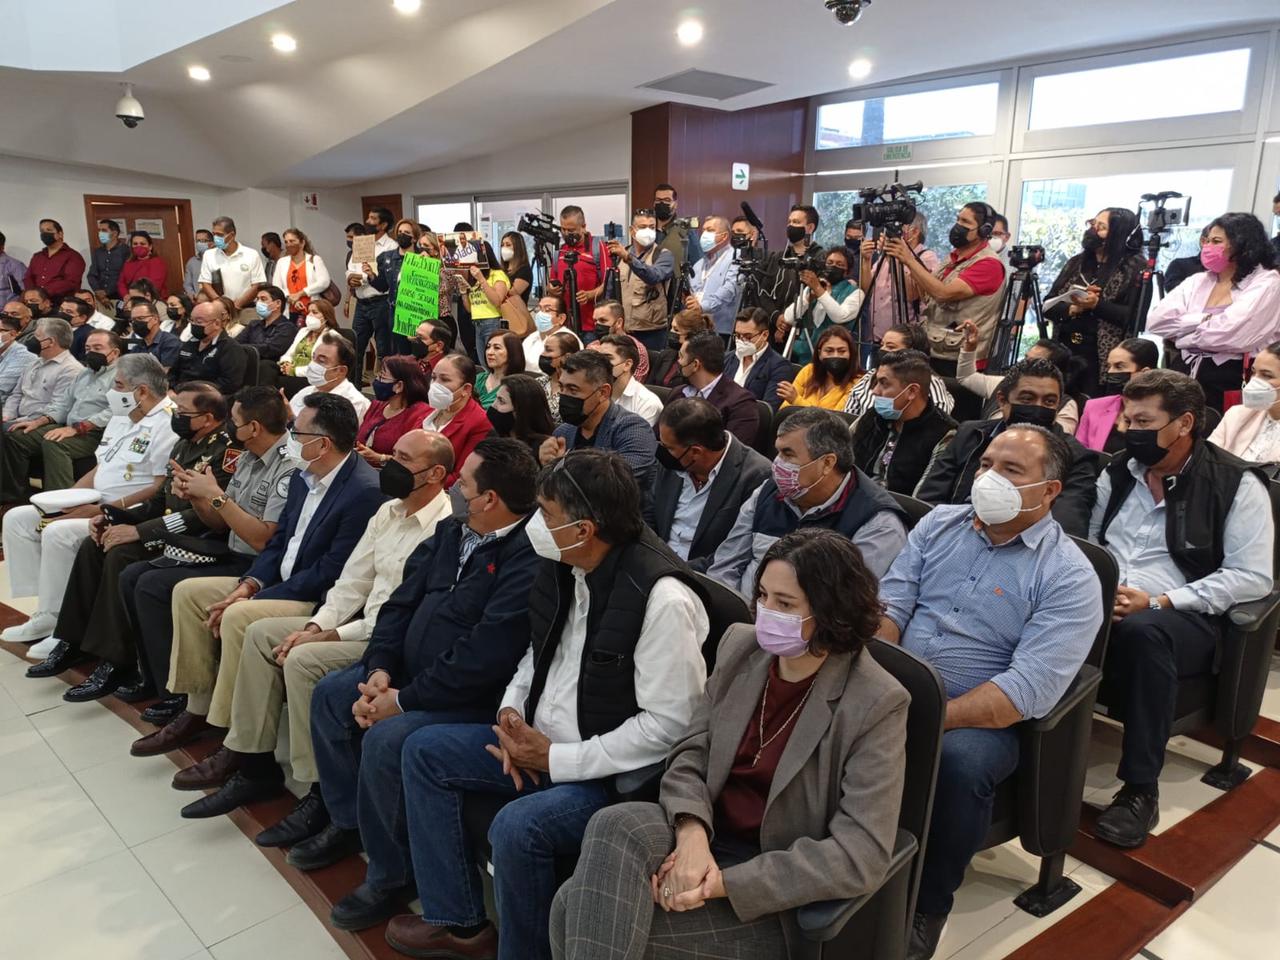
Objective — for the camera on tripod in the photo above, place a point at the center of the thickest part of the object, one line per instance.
(1026, 256)
(541, 227)
(1162, 217)
(887, 208)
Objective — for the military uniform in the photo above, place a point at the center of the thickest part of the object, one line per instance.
(92, 616)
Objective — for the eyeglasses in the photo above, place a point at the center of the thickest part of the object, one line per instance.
(292, 427)
(562, 466)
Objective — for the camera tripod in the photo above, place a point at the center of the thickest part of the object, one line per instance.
(1150, 283)
(1022, 291)
(751, 272)
(864, 323)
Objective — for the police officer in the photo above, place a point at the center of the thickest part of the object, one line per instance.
(92, 617)
(211, 354)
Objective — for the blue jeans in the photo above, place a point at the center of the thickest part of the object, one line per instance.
(441, 765)
(360, 771)
(483, 329)
(370, 322)
(974, 763)
(654, 340)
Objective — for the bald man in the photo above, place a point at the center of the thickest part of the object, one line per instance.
(211, 354)
(285, 657)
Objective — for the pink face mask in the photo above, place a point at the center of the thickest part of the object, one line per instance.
(1214, 257)
(780, 634)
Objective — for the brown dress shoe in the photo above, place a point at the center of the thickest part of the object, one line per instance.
(408, 934)
(211, 772)
(178, 732)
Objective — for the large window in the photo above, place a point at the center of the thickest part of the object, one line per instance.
(939, 204)
(599, 209)
(441, 217)
(496, 217)
(968, 111)
(1154, 89)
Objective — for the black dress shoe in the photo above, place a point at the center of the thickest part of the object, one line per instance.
(1132, 815)
(64, 655)
(236, 792)
(160, 713)
(136, 691)
(366, 907)
(104, 680)
(326, 848)
(926, 931)
(307, 819)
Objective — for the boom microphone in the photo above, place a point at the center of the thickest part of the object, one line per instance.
(751, 216)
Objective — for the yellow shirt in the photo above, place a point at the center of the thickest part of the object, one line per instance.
(481, 308)
(833, 399)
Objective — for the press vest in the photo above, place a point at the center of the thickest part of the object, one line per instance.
(644, 306)
(942, 320)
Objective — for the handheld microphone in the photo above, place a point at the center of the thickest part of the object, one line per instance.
(751, 216)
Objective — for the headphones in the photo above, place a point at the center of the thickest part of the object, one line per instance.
(988, 223)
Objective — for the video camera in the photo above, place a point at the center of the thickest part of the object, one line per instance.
(541, 227)
(887, 208)
(1161, 217)
(1026, 256)
(816, 262)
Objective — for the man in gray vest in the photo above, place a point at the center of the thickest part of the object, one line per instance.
(645, 270)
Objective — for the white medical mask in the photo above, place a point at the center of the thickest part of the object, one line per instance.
(293, 449)
(543, 321)
(645, 236)
(314, 322)
(996, 499)
(1258, 394)
(996, 244)
(541, 539)
(317, 375)
(439, 396)
(707, 241)
(508, 254)
(121, 402)
(745, 348)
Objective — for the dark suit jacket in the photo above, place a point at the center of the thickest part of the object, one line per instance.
(736, 405)
(335, 528)
(740, 475)
(769, 370)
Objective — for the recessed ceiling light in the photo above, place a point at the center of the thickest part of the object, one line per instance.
(860, 69)
(407, 6)
(284, 43)
(198, 73)
(689, 32)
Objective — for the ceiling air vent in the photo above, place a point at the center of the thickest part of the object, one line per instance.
(702, 83)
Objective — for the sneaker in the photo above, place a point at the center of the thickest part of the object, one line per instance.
(42, 648)
(38, 627)
(926, 931)
(1132, 815)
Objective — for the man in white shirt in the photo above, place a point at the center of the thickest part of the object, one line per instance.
(569, 739)
(293, 653)
(632, 395)
(372, 320)
(132, 462)
(332, 361)
(231, 269)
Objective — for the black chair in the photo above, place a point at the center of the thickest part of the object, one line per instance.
(765, 431)
(662, 393)
(876, 924)
(849, 418)
(349, 333)
(968, 405)
(251, 363)
(1212, 418)
(1230, 698)
(915, 509)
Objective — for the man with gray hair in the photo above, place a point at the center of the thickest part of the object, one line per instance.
(132, 461)
(814, 484)
(714, 288)
(45, 383)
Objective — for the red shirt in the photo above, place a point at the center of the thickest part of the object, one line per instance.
(386, 432)
(739, 809)
(468, 427)
(152, 268)
(58, 275)
(984, 277)
(589, 273)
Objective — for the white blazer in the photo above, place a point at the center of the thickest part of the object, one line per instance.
(317, 275)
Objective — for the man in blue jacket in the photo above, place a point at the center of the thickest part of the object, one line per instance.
(330, 501)
(446, 643)
(752, 363)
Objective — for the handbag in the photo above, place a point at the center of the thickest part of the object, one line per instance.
(515, 314)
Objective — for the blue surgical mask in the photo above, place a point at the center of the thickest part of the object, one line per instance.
(543, 321)
(263, 309)
(707, 241)
(219, 242)
(103, 237)
(884, 406)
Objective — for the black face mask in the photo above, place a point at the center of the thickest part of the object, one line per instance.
(94, 361)
(673, 342)
(662, 210)
(572, 239)
(34, 346)
(669, 460)
(546, 365)
(573, 410)
(504, 421)
(1113, 383)
(1144, 446)
(1032, 413)
(197, 331)
(418, 349)
(1091, 241)
(181, 425)
(853, 243)
(835, 275)
(836, 366)
(396, 480)
(404, 240)
(795, 234)
(349, 244)
(140, 328)
(959, 236)
(47, 239)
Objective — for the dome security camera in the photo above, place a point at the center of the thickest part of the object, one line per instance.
(128, 109)
(847, 11)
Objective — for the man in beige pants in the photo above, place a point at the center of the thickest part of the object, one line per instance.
(283, 658)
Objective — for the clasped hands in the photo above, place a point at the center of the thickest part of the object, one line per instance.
(377, 700)
(689, 877)
(523, 750)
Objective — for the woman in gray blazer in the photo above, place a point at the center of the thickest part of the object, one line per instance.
(785, 789)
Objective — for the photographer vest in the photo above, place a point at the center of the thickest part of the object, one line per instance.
(644, 306)
(942, 320)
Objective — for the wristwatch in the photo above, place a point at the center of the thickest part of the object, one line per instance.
(1153, 603)
(218, 502)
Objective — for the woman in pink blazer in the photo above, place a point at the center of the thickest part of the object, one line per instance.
(1101, 424)
(1251, 429)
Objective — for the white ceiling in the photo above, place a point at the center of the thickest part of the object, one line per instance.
(371, 93)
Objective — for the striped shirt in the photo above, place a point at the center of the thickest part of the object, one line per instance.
(1022, 615)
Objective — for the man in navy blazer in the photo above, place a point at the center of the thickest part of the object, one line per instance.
(765, 367)
(330, 502)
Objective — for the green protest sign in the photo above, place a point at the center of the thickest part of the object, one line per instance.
(418, 296)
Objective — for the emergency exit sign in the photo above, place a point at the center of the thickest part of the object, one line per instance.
(897, 151)
(741, 176)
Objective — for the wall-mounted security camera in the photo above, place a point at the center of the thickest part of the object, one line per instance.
(128, 109)
(847, 11)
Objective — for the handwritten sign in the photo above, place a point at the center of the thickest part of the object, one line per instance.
(418, 295)
(364, 249)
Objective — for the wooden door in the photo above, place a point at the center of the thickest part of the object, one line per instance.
(167, 220)
(392, 201)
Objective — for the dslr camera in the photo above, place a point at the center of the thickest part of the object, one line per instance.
(809, 260)
(1026, 256)
(888, 208)
(541, 227)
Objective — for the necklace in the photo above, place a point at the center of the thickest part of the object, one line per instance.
(786, 723)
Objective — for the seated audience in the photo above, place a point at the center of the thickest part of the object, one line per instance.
(1006, 608)
(702, 361)
(38, 303)
(332, 360)
(592, 419)
(78, 314)
(666, 365)
(272, 332)
(92, 618)
(633, 396)
(548, 318)
(565, 732)
(432, 342)
(897, 442)
(132, 460)
(143, 264)
(555, 349)
(46, 383)
(503, 355)
(445, 644)
(399, 406)
(294, 653)
(1232, 310)
(1031, 392)
(739, 809)
(753, 363)
(147, 336)
(902, 336)
(179, 319)
(985, 384)
(212, 353)
(320, 319)
(302, 274)
(610, 320)
(1251, 429)
(814, 484)
(704, 477)
(520, 411)
(330, 501)
(1102, 424)
(827, 380)
(452, 409)
(70, 430)
(1188, 551)
(14, 355)
(825, 301)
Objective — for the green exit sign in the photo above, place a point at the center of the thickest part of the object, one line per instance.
(897, 151)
